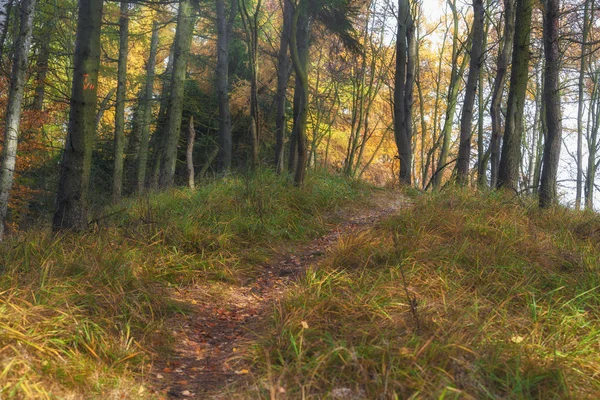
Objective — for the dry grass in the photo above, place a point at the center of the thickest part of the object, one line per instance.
(81, 315)
(505, 306)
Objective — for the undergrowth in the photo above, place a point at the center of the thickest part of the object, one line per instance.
(82, 315)
(464, 295)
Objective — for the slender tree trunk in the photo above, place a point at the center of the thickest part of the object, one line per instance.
(224, 30)
(542, 132)
(119, 149)
(72, 196)
(299, 51)
(508, 174)
(400, 133)
(552, 100)
(14, 107)
(145, 111)
(580, 105)
(41, 72)
(252, 30)
(157, 142)
(183, 39)
(452, 97)
(499, 83)
(593, 124)
(189, 154)
(293, 144)
(407, 154)
(482, 155)
(5, 8)
(466, 128)
(283, 77)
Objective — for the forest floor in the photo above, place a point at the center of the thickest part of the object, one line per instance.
(225, 318)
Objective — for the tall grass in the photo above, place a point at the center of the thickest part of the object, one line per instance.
(82, 315)
(465, 295)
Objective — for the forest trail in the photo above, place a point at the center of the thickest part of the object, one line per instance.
(225, 317)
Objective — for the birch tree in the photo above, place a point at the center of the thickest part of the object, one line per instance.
(14, 106)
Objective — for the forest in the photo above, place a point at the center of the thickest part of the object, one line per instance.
(340, 199)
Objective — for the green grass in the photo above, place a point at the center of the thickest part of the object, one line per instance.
(507, 306)
(82, 315)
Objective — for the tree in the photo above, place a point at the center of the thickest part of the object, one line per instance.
(464, 150)
(580, 104)
(224, 30)
(510, 160)
(552, 103)
(186, 19)
(403, 91)
(452, 96)
(72, 196)
(283, 77)
(251, 26)
(145, 111)
(13, 109)
(119, 142)
(336, 16)
(499, 83)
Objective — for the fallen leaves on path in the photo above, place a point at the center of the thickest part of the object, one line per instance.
(211, 339)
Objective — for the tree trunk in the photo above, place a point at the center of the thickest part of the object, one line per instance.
(157, 142)
(552, 101)
(5, 8)
(283, 77)
(145, 111)
(14, 107)
(510, 160)
(189, 154)
(452, 97)
(71, 199)
(224, 30)
(401, 135)
(251, 25)
(464, 150)
(117, 183)
(499, 83)
(580, 104)
(186, 20)
(41, 71)
(299, 51)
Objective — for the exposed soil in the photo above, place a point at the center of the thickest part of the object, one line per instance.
(226, 316)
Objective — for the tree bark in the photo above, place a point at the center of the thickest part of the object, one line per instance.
(510, 160)
(145, 111)
(580, 104)
(403, 142)
(224, 30)
(283, 77)
(251, 25)
(14, 107)
(464, 150)
(72, 196)
(42, 69)
(499, 84)
(157, 142)
(189, 154)
(5, 8)
(186, 20)
(119, 144)
(552, 101)
(452, 97)
(299, 50)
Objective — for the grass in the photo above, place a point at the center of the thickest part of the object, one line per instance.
(464, 295)
(82, 315)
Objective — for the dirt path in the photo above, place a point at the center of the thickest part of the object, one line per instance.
(226, 315)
